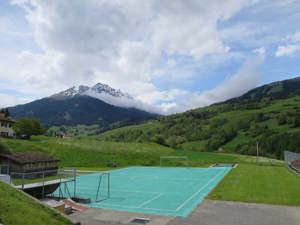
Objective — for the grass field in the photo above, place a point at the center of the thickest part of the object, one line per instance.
(17, 209)
(259, 184)
(92, 153)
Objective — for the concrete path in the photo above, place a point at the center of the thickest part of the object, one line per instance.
(208, 213)
(235, 213)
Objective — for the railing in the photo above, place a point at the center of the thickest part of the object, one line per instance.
(23, 178)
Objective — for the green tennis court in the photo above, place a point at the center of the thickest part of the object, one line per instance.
(154, 190)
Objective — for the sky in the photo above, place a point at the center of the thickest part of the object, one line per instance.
(171, 55)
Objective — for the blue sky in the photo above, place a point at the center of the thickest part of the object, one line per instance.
(172, 55)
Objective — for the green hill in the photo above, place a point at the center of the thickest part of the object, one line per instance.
(17, 208)
(269, 115)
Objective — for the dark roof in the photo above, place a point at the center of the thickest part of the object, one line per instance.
(28, 157)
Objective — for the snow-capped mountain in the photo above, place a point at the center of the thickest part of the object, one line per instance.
(104, 93)
(99, 104)
(97, 89)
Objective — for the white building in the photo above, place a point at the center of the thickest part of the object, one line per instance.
(6, 126)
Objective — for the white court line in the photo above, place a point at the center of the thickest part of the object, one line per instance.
(159, 195)
(166, 210)
(165, 179)
(150, 200)
(123, 190)
(195, 194)
(136, 207)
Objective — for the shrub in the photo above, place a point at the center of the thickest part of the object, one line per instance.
(159, 139)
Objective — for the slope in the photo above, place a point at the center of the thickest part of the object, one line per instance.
(17, 208)
(236, 125)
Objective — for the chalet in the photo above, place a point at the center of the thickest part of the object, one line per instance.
(30, 162)
(6, 125)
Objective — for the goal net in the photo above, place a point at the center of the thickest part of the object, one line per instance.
(174, 161)
(92, 185)
(103, 188)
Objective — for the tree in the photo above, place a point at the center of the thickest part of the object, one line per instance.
(25, 128)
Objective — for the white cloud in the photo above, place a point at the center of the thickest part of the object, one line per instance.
(294, 37)
(9, 100)
(287, 50)
(248, 77)
(126, 44)
(291, 48)
(118, 42)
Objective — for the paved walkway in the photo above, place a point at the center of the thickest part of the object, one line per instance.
(208, 213)
(235, 213)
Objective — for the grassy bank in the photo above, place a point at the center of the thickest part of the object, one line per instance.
(17, 208)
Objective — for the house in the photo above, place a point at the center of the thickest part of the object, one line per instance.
(32, 163)
(6, 126)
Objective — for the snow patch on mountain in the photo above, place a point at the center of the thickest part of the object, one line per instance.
(107, 94)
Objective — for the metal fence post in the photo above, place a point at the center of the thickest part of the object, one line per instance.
(75, 174)
(43, 190)
(23, 174)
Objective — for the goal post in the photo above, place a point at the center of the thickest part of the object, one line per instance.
(95, 185)
(174, 161)
(103, 187)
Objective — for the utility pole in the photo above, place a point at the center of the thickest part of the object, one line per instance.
(257, 148)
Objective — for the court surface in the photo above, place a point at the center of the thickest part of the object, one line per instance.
(153, 190)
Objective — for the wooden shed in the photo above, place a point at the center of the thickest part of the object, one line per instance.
(30, 162)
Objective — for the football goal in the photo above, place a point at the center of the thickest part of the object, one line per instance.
(174, 161)
(93, 185)
(103, 188)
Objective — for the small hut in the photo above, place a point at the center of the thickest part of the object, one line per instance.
(30, 162)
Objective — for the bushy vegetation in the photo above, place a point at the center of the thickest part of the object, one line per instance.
(26, 127)
(78, 130)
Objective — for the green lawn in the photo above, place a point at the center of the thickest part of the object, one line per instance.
(86, 152)
(259, 184)
(18, 209)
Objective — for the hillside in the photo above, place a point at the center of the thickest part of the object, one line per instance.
(18, 209)
(269, 115)
(79, 110)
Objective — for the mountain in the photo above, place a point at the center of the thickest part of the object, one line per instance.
(98, 90)
(275, 90)
(99, 104)
(269, 114)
